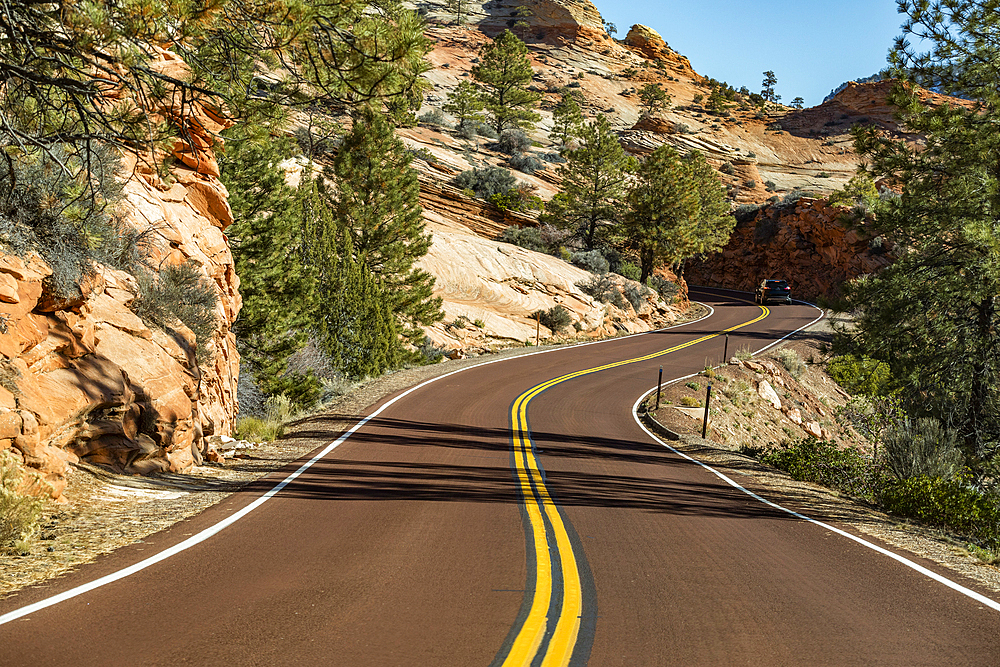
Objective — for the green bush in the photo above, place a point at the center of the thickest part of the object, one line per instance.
(951, 504)
(64, 205)
(555, 318)
(860, 375)
(180, 292)
(666, 289)
(525, 237)
(791, 360)
(525, 163)
(434, 117)
(513, 142)
(255, 429)
(847, 470)
(604, 289)
(636, 294)
(592, 261)
(922, 448)
(486, 182)
(19, 512)
(628, 270)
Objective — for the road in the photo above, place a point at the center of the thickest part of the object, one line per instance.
(511, 513)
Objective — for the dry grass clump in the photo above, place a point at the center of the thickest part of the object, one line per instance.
(19, 511)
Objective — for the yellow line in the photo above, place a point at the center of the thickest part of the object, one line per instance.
(538, 501)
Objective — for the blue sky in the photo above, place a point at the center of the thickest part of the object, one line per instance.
(812, 47)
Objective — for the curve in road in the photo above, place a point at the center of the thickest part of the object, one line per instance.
(404, 545)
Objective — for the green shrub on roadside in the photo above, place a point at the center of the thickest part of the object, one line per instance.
(256, 429)
(847, 470)
(951, 504)
(860, 375)
(278, 411)
(922, 448)
(19, 511)
(666, 289)
(791, 360)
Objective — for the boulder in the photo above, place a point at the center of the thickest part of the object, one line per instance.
(767, 392)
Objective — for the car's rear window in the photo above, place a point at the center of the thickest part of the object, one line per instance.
(776, 283)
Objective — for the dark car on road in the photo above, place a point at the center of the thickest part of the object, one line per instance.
(773, 290)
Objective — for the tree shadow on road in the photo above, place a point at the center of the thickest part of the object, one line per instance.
(392, 460)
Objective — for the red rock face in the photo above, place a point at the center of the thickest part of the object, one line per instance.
(809, 245)
(87, 378)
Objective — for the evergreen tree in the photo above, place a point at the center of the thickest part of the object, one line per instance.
(79, 72)
(567, 119)
(676, 210)
(767, 87)
(358, 327)
(593, 184)
(798, 103)
(661, 207)
(716, 99)
(653, 99)
(466, 103)
(375, 198)
(277, 287)
(504, 70)
(934, 314)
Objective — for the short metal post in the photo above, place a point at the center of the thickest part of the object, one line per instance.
(704, 424)
(538, 326)
(659, 382)
(725, 351)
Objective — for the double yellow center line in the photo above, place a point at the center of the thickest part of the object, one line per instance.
(554, 556)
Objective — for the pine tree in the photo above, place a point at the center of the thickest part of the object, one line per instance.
(466, 103)
(567, 119)
(277, 287)
(375, 197)
(358, 327)
(798, 103)
(661, 207)
(504, 70)
(934, 314)
(676, 210)
(653, 99)
(767, 87)
(593, 184)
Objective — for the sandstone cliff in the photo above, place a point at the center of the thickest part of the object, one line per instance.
(809, 244)
(89, 379)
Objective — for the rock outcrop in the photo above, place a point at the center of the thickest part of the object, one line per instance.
(89, 378)
(808, 244)
(490, 289)
(646, 42)
(547, 20)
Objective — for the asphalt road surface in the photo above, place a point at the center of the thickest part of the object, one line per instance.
(514, 513)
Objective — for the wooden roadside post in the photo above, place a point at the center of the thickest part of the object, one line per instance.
(704, 424)
(659, 382)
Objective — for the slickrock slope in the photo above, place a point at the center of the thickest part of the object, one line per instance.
(88, 378)
(499, 285)
(809, 245)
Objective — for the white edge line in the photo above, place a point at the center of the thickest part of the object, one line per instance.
(993, 604)
(228, 521)
(874, 547)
